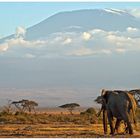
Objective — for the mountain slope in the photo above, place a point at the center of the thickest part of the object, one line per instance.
(81, 20)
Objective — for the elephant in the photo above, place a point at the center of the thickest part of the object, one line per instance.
(132, 111)
(118, 104)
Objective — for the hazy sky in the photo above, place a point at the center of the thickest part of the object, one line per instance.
(27, 14)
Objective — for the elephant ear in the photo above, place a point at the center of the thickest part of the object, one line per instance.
(103, 92)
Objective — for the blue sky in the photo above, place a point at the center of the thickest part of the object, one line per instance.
(24, 14)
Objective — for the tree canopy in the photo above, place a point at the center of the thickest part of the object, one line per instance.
(70, 106)
(24, 105)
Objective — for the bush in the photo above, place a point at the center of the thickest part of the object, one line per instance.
(21, 113)
(89, 111)
(3, 113)
(21, 119)
(87, 117)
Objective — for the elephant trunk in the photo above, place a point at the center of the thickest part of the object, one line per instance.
(105, 121)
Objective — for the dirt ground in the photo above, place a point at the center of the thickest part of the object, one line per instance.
(57, 130)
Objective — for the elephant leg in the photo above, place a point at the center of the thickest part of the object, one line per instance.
(130, 127)
(105, 121)
(126, 128)
(128, 122)
(110, 119)
(135, 122)
(117, 125)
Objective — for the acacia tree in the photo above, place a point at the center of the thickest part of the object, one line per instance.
(17, 104)
(70, 107)
(24, 105)
(29, 105)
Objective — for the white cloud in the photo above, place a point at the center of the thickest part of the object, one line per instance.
(86, 36)
(120, 40)
(20, 32)
(95, 42)
(20, 42)
(3, 47)
(135, 12)
(67, 41)
(131, 29)
(97, 31)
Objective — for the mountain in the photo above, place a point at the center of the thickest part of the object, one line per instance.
(82, 20)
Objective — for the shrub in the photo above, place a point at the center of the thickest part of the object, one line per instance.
(89, 111)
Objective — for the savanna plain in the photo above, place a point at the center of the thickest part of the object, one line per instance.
(57, 123)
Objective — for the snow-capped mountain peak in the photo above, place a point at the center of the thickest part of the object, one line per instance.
(115, 11)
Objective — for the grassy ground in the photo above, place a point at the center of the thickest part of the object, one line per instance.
(56, 130)
(54, 126)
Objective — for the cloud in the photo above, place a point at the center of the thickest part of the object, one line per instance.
(67, 41)
(86, 36)
(135, 12)
(20, 32)
(62, 44)
(24, 43)
(118, 40)
(20, 43)
(97, 32)
(131, 29)
(3, 47)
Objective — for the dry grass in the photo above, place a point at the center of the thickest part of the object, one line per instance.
(55, 130)
(55, 125)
